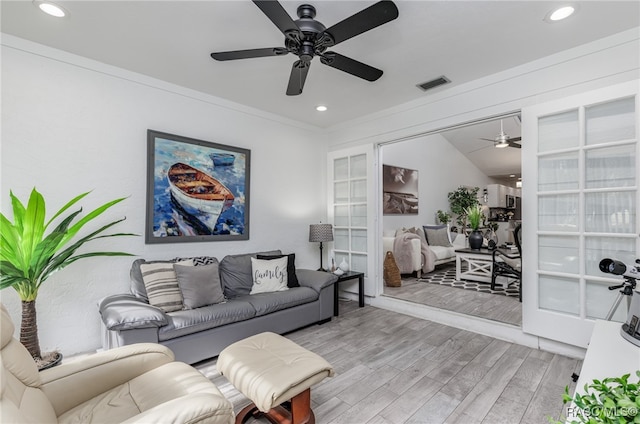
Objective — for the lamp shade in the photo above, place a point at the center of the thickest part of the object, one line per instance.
(320, 232)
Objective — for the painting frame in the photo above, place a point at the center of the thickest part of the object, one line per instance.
(399, 190)
(181, 211)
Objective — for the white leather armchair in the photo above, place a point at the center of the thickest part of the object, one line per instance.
(139, 383)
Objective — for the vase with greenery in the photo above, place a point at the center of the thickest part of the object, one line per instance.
(29, 256)
(461, 199)
(443, 217)
(610, 400)
(474, 215)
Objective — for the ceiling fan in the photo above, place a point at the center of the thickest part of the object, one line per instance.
(503, 140)
(307, 38)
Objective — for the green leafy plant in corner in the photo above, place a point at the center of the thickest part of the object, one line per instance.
(443, 217)
(461, 199)
(474, 215)
(28, 257)
(611, 400)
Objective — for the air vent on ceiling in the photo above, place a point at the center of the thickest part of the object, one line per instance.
(434, 83)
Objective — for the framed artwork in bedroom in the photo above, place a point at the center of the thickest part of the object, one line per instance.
(196, 190)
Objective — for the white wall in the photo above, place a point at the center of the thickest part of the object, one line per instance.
(441, 169)
(71, 125)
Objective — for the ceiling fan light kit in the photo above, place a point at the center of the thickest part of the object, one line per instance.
(307, 38)
(503, 140)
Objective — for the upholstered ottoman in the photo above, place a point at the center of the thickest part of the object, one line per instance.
(271, 370)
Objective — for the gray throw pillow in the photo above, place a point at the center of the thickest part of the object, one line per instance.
(437, 235)
(200, 285)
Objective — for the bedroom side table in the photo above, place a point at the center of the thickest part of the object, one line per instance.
(349, 275)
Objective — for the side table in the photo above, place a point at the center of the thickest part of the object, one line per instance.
(349, 275)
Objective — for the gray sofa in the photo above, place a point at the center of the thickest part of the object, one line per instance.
(203, 332)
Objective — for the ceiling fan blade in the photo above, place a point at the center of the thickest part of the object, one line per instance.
(514, 139)
(248, 54)
(516, 145)
(297, 78)
(373, 16)
(351, 66)
(488, 139)
(276, 13)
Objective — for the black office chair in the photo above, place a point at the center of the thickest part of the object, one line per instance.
(508, 264)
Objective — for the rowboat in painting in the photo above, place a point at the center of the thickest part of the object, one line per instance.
(222, 159)
(194, 189)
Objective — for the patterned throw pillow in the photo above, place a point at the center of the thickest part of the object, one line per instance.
(161, 284)
(269, 275)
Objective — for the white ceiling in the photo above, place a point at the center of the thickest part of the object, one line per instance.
(172, 40)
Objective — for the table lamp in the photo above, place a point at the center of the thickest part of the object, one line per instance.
(320, 233)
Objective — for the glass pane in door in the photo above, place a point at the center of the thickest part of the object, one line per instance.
(558, 212)
(559, 131)
(611, 121)
(340, 169)
(559, 294)
(600, 300)
(599, 248)
(610, 212)
(611, 167)
(559, 254)
(358, 166)
(558, 172)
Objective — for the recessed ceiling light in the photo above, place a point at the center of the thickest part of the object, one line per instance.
(51, 9)
(560, 13)
(321, 108)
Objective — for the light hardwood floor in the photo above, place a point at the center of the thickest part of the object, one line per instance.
(393, 368)
(484, 305)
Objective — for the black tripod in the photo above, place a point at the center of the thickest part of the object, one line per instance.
(627, 290)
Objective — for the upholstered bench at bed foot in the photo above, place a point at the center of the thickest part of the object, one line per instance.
(273, 371)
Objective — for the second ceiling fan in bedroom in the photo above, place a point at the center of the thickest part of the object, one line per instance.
(307, 38)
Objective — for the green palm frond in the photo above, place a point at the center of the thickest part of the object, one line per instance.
(28, 256)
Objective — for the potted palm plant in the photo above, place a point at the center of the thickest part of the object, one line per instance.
(28, 257)
(474, 215)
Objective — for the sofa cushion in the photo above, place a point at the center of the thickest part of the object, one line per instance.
(443, 253)
(292, 278)
(181, 323)
(161, 285)
(235, 273)
(200, 285)
(269, 275)
(265, 303)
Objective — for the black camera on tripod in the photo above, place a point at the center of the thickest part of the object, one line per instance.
(631, 329)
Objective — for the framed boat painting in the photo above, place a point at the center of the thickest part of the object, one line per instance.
(196, 190)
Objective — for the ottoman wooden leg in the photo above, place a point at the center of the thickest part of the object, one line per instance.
(300, 412)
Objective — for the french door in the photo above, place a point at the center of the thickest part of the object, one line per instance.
(350, 188)
(580, 179)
